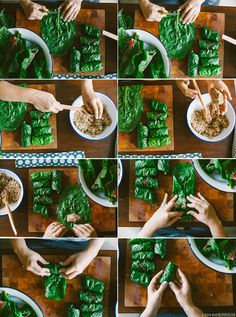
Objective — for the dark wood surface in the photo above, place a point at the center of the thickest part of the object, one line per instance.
(67, 139)
(110, 25)
(109, 255)
(126, 214)
(185, 140)
(23, 218)
(207, 285)
(230, 30)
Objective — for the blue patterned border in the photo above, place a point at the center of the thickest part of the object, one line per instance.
(27, 163)
(43, 156)
(70, 76)
(167, 156)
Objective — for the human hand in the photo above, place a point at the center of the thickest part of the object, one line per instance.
(191, 10)
(163, 217)
(155, 294)
(31, 261)
(152, 12)
(44, 101)
(91, 101)
(206, 214)
(184, 87)
(55, 230)
(32, 10)
(70, 9)
(76, 263)
(222, 87)
(84, 231)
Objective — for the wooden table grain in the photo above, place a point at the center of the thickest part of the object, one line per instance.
(185, 140)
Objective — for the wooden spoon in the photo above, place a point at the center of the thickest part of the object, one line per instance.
(110, 35)
(228, 39)
(5, 201)
(205, 108)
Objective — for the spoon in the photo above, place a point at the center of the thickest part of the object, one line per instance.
(5, 200)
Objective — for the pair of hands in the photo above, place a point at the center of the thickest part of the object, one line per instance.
(45, 101)
(200, 209)
(34, 11)
(180, 287)
(216, 84)
(73, 266)
(153, 12)
(57, 229)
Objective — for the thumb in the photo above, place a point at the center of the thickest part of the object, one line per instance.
(66, 262)
(162, 9)
(162, 287)
(95, 110)
(173, 287)
(193, 213)
(42, 260)
(44, 9)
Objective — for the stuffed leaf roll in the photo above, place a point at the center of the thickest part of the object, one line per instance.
(90, 49)
(40, 123)
(143, 255)
(93, 314)
(142, 278)
(209, 34)
(210, 71)
(43, 191)
(158, 106)
(42, 200)
(208, 45)
(86, 308)
(145, 194)
(43, 139)
(144, 163)
(41, 184)
(210, 61)
(73, 312)
(91, 57)
(157, 142)
(169, 273)
(91, 284)
(56, 180)
(146, 246)
(26, 133)
(90, 30)
(146, 171)
(41, 209)
(156, 133)
(208, 54)
(146, 182)
(193, 62)
(89, 41)
(90, 297)
(75, 59)
(55, 284)
(163, 166)
(157, 124)
(143, 266)
(38, 176)
(142, 136)
(152, 116)
(160, 247)
(91, 67)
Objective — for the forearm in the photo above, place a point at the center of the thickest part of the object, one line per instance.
(144, 2)
(19, 246)
(86, 86)
(94, 246)
(10, 92)
(192, 311)
(148, 230)
(149, 312)
(217, 229)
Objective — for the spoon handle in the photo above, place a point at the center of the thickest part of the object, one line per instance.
(11, 219)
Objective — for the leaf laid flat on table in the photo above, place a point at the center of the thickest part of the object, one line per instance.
(58, 34)
(130, 107)
(73, 200)
(12, 114)
(175, 36)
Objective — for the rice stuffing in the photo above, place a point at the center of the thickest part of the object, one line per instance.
(88, 124)
(12, 187)
(212, 128)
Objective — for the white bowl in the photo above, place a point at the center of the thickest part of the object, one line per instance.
(33, 38)
(99, 198)
(119, 162)
(230, 115)
(213, 263)
(110, 108)
(215, 179)
(13, 206)
(150, 40)
(20, 298)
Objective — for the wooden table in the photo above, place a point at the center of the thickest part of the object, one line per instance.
(24, 225)
(124, 204)
(185, 140)
(71, 296)
(230, 30)
(110, 24)
(67, 139)
(206, 284)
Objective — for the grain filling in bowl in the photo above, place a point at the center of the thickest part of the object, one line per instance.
(88, 124)
(12, 187)
(211, 128)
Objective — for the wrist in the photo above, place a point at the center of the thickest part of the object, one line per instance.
(217, 229)
(149, 229)
(191, 310)
(149, 312)
(144, 3)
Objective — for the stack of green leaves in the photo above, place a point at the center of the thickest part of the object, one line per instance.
(207, 62)
(11, 308)
(18, 60)
(55, 284)
(73, 206)
(101, 176)
(88, 57)
(6, 20)
(44, 183)
(38, 132)
(130, 107)
(143, 253)
(145, 182)
(125, 21)
(225, 168)
(156, 133)
(135, 60)
(91, 296)
(183, 186)
(222, 249)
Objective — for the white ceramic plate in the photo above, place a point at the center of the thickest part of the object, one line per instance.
(121, 171)
(111, 109)
(99, 198)
(215, 179)
(33, 38)
(213, 262)
(20, 298)
(195, 105)
(14, 206)
(150, 40)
